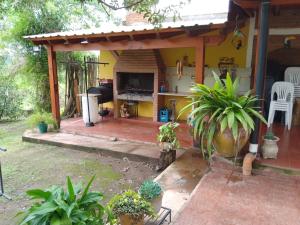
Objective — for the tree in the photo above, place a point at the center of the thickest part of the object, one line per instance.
(22, 17)
(149, 8)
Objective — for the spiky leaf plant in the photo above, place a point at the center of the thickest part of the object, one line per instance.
(150, 190)
(75, 206)
(218, 108)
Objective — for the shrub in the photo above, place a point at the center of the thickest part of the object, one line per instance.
(10, 99)
(56, 206)
(150, 190)
(40, 117)
(167, 134)
(132, 204)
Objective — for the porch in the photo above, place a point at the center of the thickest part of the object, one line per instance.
(141, 130)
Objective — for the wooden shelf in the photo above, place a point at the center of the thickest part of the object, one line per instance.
(183, 94)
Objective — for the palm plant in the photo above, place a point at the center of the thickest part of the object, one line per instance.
(74, 206)
(218, 108)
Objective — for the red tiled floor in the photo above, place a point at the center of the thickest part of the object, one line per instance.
(289, 147)
(223, 197)
(142, 130)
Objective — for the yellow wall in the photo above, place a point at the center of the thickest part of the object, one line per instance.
(170, 56)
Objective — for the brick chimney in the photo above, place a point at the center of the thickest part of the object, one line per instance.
(133, 18)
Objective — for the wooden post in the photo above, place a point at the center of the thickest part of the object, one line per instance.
(53, 81)
(199, 62)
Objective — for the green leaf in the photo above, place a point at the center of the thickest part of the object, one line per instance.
(230, 119)
(235, 130)
(38, 193)
(223, 124)
(71, 189)
(258, 115)
(88, 187)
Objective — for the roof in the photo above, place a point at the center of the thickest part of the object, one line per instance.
(198, 21)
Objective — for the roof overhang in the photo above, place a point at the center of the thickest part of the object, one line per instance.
(254, 4)
(111, 33)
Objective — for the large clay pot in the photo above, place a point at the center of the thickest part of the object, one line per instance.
(156, 203)
(226, 146)
(270, 148)
(128, 220)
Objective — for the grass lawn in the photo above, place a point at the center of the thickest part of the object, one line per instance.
(26, 166)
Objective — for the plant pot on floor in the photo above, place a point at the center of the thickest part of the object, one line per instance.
(43, 127)
(129, 220)
(167, 155)
(270, 148)
(226, 146)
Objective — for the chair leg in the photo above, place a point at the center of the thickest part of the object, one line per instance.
(290, 117)
(271, 116)
(287, 117)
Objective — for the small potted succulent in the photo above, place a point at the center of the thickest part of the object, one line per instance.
(151, 191)
(41, 120)
(130, 208)
(168, 143)
(270, 147)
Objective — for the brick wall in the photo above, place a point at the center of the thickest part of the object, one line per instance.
(133, 18)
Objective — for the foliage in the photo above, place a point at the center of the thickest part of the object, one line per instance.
(10, 99)
(19, 18)
(167, 134)
(219, 108)
(130, 203)
(269, 135)
(56, 206)
(150, 190)
(149, 8)
(40, 117)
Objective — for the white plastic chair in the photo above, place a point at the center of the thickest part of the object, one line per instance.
(284, 102)
(292, 74)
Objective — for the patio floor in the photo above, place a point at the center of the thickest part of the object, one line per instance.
(289, 147)
(139, 130)
(225, 197)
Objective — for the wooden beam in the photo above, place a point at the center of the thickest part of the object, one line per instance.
(115, 54)
(254, 4)
(282, 31)
(53, 82)
(199, 62)
(179, 42)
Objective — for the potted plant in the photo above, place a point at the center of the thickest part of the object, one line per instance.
(130, 208)
(152, 192)
(221, 118)
(41, 120)
(73, 206)
(270, 147)
(168, 143)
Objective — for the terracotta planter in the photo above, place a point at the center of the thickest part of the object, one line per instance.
(156, 203)
(270, 148)
(225, 145)
(128, 220)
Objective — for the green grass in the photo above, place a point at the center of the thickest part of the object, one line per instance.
(27, 165)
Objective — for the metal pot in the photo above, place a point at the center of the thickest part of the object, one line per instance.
(226, 146)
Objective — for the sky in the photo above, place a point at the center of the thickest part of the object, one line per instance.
(194, 7)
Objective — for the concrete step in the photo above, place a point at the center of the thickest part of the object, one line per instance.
(136, 151)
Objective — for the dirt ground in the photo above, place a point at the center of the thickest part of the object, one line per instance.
(26, 166)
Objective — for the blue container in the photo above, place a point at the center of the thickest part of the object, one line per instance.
(164, 115)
